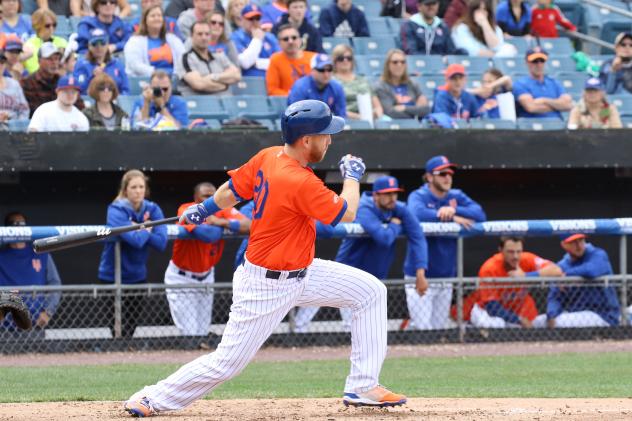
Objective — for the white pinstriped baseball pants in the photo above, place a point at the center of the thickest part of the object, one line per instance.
(260, 304)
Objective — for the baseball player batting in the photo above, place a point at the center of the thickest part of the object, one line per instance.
(280, 272)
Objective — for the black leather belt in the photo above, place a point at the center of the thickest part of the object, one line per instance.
(197, 278)
(273, 274)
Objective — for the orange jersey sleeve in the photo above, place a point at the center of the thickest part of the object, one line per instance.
(242, 180)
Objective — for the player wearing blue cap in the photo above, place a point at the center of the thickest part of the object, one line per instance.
(437, 201)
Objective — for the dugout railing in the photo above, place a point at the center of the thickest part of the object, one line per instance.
(97, 317)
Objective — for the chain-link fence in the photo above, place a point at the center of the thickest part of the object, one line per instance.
(154, 316)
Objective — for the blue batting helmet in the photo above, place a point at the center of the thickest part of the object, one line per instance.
(308, 117)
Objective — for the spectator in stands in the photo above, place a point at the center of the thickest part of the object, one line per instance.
(13, 22)
(219, 43)
(152, 47)
(60, 115)
(479, 35)
(320, 86)
(233, 13)
(157, 99)
(455, 12)
(425, 33)
(99, 60)
(170, 22)
(514, 18)
(492, 83)
(12, 51)
(504, 304)
(201, 72)
(13, 105)
(57, 7)
(177, 7)
(128, 208)
(352, 83)
(593, 111)
(343, 19)
(21, 266)
(84, 8)
(399, 95)
(295, 16)
(195, 14)
(289, 64)
(545, 17)
(44, 23)
(104, 114)
(271, 13)
(254, 45)
(538, 95)
(437, 201)
(105, 18)
(616, 74)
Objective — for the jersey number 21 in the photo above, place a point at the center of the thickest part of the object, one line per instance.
(260, 196)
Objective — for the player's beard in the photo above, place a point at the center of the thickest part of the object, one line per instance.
(315, 153)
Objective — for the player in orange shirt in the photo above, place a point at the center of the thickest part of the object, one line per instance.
(194, 261)
(280, 271)
(289, 64)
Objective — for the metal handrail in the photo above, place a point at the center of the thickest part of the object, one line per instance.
(609, 7)
(590, 39)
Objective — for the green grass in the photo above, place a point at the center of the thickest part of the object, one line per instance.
(563, 375)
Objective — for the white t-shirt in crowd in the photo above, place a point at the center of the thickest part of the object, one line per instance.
(49, 117)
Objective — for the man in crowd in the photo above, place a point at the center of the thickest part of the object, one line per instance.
(202, 73)
(343, 19)
(295, 16)
(177, 7)
(61, 115)
(538, 95)
(157, 99)
(453, 99)
(425, 33)
(12, 51)
(170, 22)
(118, 31)
(289, 64)
(254, 45)
(581, 306)
(616, 74)
(437, 201)
(195, 14)
(383, 218)
(319, 85)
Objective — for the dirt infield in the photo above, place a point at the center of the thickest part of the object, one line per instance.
(331, 409)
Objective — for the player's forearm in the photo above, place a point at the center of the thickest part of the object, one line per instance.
(351, 194)
(223, 198)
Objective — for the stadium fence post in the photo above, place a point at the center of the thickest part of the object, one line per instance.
(117, 292)
(459, 289)
(623, 269)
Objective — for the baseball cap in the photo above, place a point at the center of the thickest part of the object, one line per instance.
(386, 184)
(623, 35)
(438, 163)
(593, 83)
(454, 69)
(97, 35)
(13, 43)
(250, 10)
(47, 50)
(67, 82)
(536, 53)
(319, 61)
(567, 238)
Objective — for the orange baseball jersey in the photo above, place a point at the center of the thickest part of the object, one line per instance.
(284, 71)
(288, 199)
(196, 255)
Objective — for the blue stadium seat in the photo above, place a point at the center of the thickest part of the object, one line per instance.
(492, 124)
(135, 83)
(278, 104)
(370, 65)
(521, 44)
(250, 85)
(87, 100)
(203, 106)
(429, 84)
(557, 63)
(623, 103)
(267, 123)
(425, 65)
(250, 106)
(573, 82)
(315, 6)
(379, 27)
(396, 124)
(74, 22)
(573, 11)
(28, 7)
(471, 64)
(541, 124)
(510, 65)
(64, 27)
(213, 124)
(135, 7)
(330, 42)
(558, 46)
(596, 19)
(357, 125)
(601, 59)
(371, 10)
(611, 29)
(126, 102)
(18, 125)
(627, 122)
(474, 80)
(461, 124)
(374, 45)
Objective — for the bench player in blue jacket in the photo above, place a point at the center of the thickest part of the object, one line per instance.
(383, 218)
(437, 201)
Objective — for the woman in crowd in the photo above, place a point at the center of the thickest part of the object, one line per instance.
(99, 60)
(593, 111)
(13, 51)
(233, 13)
(104, 114)
(353, 84)
(478, 33)
(84, 8)
(13, 22)
(44, 22)
(219, 43)
(399, 95)
(13, 105)
(514, 17)
(493, 82)
(152, 48)
(104, 18)
(131, 207)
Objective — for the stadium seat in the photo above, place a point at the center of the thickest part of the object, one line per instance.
(600, 22)
(557, 63)
(396, 124)
(374, 45)
(573, 11)
(315, 6)
(135, 8)
(521, 44)
(601, 59)
(510, 65)
(474, 80)
(250, 85)
(213, 124)
(461, 124)
(74, 22)
(623, 103)
(135, 84)
(492, 124)
(425, 65)
(371, 10)
(611, 29)
(267, 123)
(64, 27)
(357, 125)
(87, 101)
(379, 27)
(430, 83)
(370, 65)
(541, 124)
(250, 106)
(627, 122)
(126, 102)
(202, 106)
(558, 46)
(28, 7)
(330, 42)
(18, 125)
(572, 82)
(278, 104)
(471, 64)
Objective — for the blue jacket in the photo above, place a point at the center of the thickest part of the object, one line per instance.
(417, 37)
(23, 28)
(242, 40)
(507, 21)
(333, 94)
(176, 106)
(332, 17)
(114, 68)
(619, 82)
(375, 254)
(118, 32)
(441, 251)
(135, 244)
(601, 300)
(465, 107)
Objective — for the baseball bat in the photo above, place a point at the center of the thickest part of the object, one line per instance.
(61, 242)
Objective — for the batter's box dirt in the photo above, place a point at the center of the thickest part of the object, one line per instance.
(332, 410)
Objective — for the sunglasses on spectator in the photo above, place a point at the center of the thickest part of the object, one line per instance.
(290, 38)
(627, 44)
(344, 58)
(398, 61)
(105, 87)
(104, 2)
(442, 173)
(216, 22)
(325, 70)
(254, 18)
(539, 60)
(50, 25)
(99, 42)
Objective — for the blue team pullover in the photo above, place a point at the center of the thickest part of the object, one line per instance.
(441, 251)
(242, 40)
(333, 94)
(118, 32)
(332, 17)
(114, 68)
(601, 300)
(134, 245)
(375, 254)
